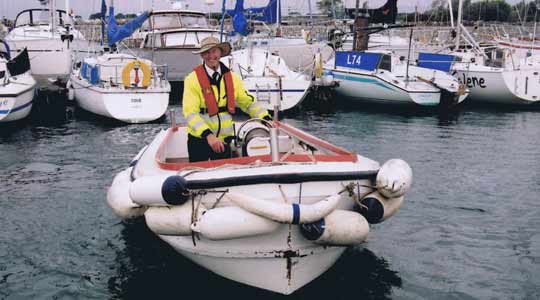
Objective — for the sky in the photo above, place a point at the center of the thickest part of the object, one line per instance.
(10, 8)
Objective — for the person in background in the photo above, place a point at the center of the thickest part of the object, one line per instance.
(211, 94)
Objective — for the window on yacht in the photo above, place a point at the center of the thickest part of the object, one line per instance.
(386, 63)
(166, 22)
(194, 21)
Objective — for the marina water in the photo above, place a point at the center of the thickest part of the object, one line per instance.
(469, 228)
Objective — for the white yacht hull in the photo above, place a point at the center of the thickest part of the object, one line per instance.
(372, 89)
(509, 87)
(268, 78)
(137, 106)
(267, 91)
(16, 98)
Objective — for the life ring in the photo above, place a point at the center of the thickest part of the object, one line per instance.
(136, 65)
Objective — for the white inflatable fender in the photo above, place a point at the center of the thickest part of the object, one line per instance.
(70, 91)
(340, 227)
(377, 208)
(232, 222)
(394, 178)
(171, 220)
(283, 212)
(119, 199)
(159, 190)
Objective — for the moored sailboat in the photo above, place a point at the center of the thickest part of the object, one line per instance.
(121, 86)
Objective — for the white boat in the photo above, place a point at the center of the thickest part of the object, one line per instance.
(495, 75)
(121, 86)
(276, 215)
(297, 53)
(49, 39)
(170, 36)
(379, 77)
(17, 87)
(267, 76)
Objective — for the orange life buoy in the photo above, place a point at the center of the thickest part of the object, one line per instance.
(136, 65)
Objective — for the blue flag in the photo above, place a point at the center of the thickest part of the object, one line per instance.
(117, 33)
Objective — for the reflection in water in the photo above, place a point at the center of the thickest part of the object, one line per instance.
(148, 267)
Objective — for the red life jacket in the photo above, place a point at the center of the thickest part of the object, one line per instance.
(208, 93)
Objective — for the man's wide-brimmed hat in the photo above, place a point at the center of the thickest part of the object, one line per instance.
(211, 42)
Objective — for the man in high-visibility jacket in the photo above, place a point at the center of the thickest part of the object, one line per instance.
(211, 93)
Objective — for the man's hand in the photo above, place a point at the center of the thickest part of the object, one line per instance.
(215, 143)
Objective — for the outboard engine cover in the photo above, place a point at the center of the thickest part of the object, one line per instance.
(255, 140)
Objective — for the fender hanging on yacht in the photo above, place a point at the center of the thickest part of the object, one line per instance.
(172, 220)
(341, 227)
(232, 222)
(286, 213)
(377, 208)
(119, 199)
(394, 178)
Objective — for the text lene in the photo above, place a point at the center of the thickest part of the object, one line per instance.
(473, 81)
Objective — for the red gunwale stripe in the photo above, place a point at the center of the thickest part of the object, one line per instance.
(340, 154)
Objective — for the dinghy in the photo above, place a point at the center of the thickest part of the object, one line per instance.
(275, 215)
(17, 86)
(267, 76)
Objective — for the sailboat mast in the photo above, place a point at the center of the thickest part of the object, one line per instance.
(222, 20)
(52, 10)
(460, 16)
(451, 13)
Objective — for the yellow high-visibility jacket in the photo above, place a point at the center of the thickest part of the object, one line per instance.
(221, 125)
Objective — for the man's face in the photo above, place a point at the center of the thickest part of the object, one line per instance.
(211, 57)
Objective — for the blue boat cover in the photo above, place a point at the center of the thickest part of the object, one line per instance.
(90, 73)
(117, 33)
(268, 14)
(358, 60)
(240, 24)
(441, 62)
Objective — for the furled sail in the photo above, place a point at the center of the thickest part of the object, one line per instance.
(117, 32)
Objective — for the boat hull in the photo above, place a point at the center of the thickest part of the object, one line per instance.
(267, 91)
(136, 106)
(518, 87)
(362, 88)
(50, 57)
(16, 99)
(283, 269)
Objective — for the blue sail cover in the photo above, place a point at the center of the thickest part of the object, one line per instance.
(117, 33)
(268, 14)
(441, 62)
(358, 60)
(240, 23)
